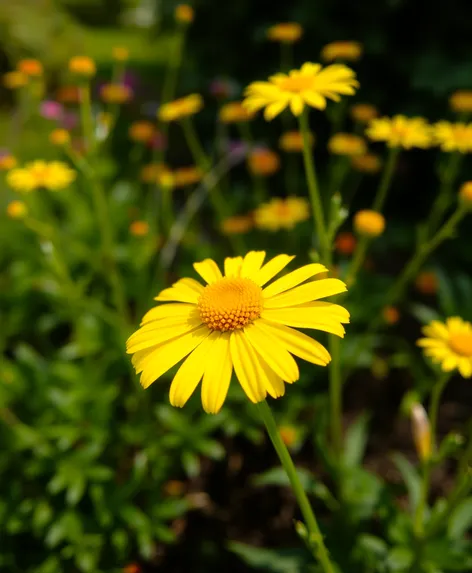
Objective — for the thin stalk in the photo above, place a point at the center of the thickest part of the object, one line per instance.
(357, 260)
(308, 515)
(443, 197)
(386, 179)
(86, 116)
(335, 395)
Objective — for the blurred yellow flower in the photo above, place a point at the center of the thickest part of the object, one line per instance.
(449, 344)
(263, 162)
(82, 66)
(309, 86)
(453, 136)
(186, 176)
(345, 243)
(286, 32)
(369, 223)
(30, 67)
(461, 101)
(116, 93)
(292, 141)
(14, 80)
(427, 282)
(364, 112)
(465, 193)
(367, 163)
(235, 321)
(151, 172)
(347, 144)
(421, 431)
(235, 112)
(289, 434)
(400, 131)
(280, 213)
(142, 131)
(348, 51)
(53, 175)
(237, 225)
(390, 314)
(139, 228)
(7, 162)
(17, 210)
(68, 94)
(181, 108)
(184, 14)
(59, 137)
(120, 53)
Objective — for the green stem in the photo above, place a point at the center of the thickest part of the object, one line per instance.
(86, 116)
(357, 260)
(386, 179)
(170, 80)
(335, 395)
(315, 198)
(443, 198)
(311, 523)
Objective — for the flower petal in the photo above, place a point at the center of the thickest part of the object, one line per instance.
(271, 268)
(217, 376)
(184, 290)
(252, 263)
(293, 279)
(300, 318)
(272, 382)
(152, 335)
(296, 104)
(233, 266)
(313, 290)
(165, 311)
(247, 366)
(465, 367)
(208, 270)
(274, 109)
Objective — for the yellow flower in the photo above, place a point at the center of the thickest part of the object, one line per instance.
(54, 176)
(263, 162)
(400, 131)
(116, 93)
(292, 141)
(390, 314)
(426, 282)
(453, 136)
(281, 213)
(17, 210)
(289, 434)
(236, 322)
(347, 144)
(235, 112)
(465, 193)
(286, 32)
(311, 85)
(180, 108)
(239, 224)
(120, 53)
(369, 223)
(139, 228)
(151, 172)
(367, 163)
(449, 344)
(364, 112)
(184, 14)
(142, 131)
(7, 162)
(68, 94)
(421, 431)
(461, 101)
(59, 137)
(349, 51)
(82, 66)
(14, 80)
(186, 176)
(30, 67)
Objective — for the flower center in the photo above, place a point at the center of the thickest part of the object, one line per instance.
(296, 83)
(461, 344)
(230, 303)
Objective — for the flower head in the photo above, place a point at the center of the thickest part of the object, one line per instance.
(82, 66)
(237, 225)
(453, 136)
(139, 228)
(461, 101)
(449, 344)
(30, 67)
(237, 322)
(17, 210)
(400, 131)
(345, 243)
(427, 282)
(369, 223)
(50, 109)
(364, 112)
(290, 435)
(348, 51)
(263, 162)
(279, 213)
(347, 144)
(310, 85)
(235, 112)
(53, 175)
(14, 80)
(116, 93)
(59, 137)
(7, 162)
(181, 108)
(186, 176)
(390, 314)
(292, 141)
(142, 131)
(367, 163)
(184, 14)
(151, 172)
(465, 193)
(286, 32)
(120, 53)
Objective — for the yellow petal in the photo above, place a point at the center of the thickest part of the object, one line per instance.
(449, 363)
(247, 366)
(293, 279)
(299, 319)
(271, 268)
(274, 109)
(298, 343)
(208, 270)
(436, 329)
(315, 100)
(165, 311)
(306, 293)
(217, 376)
(465, 367)
(430, 343)
(272, 352)
(184, 290)
(296, 104)
(146, 337)
(168, 354)
(252, 263)
(190, 372)
(272, 382)
(233, 266)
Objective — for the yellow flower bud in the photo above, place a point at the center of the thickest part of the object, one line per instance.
(465, 194)
(30, 67)
(184, 14)
(369, 223)
(17, 210)
(7, 162)
(59, 137)
(421, 432)
(120, 53)
(82, 66)
(139, 228)
(14, 80)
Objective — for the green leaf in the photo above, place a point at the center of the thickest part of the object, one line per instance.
(273, 560)
(356, 441)
(277, 476)
(399, 558)
(410, 477)
(461, 519)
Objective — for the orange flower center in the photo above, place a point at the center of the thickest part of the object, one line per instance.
(230, 303)
(296, 83)
(461, 344)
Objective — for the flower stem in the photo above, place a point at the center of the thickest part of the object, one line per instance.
(86, 116)
(386, 179)
(312, 525)
(443, 197)
(357, 260)
(170, 79)
(335, 395)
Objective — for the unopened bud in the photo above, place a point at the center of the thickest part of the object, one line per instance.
(421, 431)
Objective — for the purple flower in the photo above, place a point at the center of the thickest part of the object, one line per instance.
(50, 109)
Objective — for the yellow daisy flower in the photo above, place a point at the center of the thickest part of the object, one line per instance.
(236, 225)
(116, 93)
(292, 141)
(281, 213)
(17, 210)
(53, 175)
(236, 322)
(350, 51)
(180, 108)
(263, 162)
(234, 112)
(310, 85)
(461, 101)
(453, 136)
(367, 163)
(185, 176)
(15, 79)
(286, 32)
(142, 131)
(363, 112)
(347, 144)
(400, 131)
(449, 344)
